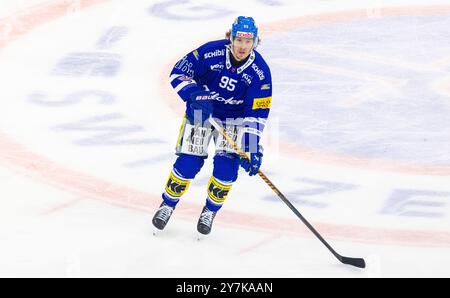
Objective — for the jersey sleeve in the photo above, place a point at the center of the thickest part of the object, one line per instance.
(257, 108)
(184, 73)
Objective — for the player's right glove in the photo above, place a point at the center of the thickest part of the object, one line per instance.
(202, 101)
(252, 166)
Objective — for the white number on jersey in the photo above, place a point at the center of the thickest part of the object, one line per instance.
(229, 84)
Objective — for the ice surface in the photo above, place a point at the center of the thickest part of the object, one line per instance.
(358, 140)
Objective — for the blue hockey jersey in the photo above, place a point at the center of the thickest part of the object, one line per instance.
(245, 92)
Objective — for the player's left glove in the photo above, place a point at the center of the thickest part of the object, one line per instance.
(203, 101)
(252, 166)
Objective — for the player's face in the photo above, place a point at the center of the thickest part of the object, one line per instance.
(242, 47)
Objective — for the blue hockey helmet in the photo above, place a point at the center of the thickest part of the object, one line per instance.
(244, 27)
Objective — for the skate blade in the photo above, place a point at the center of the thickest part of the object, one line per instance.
(201, 236)
(156, 232)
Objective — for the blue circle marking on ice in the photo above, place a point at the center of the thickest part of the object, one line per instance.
(375, 88)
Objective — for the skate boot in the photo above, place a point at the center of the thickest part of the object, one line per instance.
(162, 216)
(205, 221)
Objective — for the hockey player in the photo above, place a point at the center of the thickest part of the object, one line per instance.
(229, 81)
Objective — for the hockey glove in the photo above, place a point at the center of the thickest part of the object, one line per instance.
(252, 166)
(203, 101)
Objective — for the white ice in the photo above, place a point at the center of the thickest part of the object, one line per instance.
(75, 202)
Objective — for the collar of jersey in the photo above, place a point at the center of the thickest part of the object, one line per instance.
(244, 66)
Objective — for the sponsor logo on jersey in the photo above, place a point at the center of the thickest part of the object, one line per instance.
(258, 71)
(184, 78)
(247, 78)
(229, 101)
(217, 67)
(262, 103)
(216, 53)
(185, 66)
(244, 34)
(265, 87)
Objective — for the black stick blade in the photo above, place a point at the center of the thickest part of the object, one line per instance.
(357, 262)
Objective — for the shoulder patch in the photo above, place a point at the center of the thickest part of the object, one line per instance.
(265, 87)
(262, 103)
(195, 54)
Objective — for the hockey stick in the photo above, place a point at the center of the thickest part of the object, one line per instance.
(357, 262)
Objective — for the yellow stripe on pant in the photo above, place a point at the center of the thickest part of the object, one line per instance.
(218, 190)
(180, 133)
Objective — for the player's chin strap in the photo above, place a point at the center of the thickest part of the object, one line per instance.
(357, 262)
